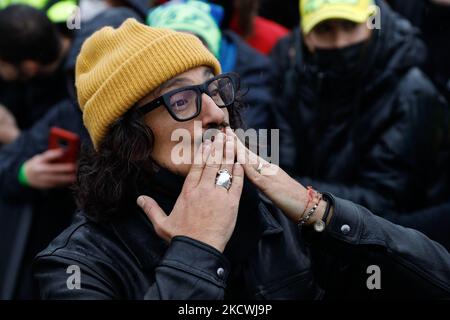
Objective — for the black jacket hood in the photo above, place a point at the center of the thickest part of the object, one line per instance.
(396, 48)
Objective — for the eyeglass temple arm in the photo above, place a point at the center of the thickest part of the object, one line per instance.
(146, 108)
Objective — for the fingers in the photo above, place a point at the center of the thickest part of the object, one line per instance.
(220, 156)
(42, 173)
(214, 160)
(153, 211)
(51, 181)
(51, 155)
(60, 180)
(246, 157)
(60, 168)
(6, 116)
(229, 155)
(255, 167)
(243, 154)
(258, 171)
(238, 181)
(201, 155)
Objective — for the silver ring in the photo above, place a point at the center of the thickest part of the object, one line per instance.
(260, 166)
(224, 179)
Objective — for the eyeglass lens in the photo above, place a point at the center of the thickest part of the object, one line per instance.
(184, 103)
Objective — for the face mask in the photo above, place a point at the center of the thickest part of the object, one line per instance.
(343, 62)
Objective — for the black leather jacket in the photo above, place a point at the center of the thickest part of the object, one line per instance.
(125, 259)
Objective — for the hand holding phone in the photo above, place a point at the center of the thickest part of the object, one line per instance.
(55, 167)
(44, 172)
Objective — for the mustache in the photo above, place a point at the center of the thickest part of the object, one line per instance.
(213, 129)
(220, 126)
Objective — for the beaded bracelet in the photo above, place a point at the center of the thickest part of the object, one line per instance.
(306, 217)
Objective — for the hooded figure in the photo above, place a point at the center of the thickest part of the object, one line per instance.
(361, 120)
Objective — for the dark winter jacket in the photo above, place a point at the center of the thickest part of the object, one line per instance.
(31, 218)
(36, 216)
(379, 140)
(268, 257)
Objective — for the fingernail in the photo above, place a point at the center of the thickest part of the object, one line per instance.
(140, 201)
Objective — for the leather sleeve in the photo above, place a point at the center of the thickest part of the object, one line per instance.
(189, 270)
(410, 264)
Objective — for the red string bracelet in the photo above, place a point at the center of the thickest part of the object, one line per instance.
(310, 192)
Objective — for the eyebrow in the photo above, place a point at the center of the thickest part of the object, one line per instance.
(208, 73)
(174, 82)
(182, 81)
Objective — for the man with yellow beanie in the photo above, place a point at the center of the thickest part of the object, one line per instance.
(234, 54)
(357, 116)
(154, 227)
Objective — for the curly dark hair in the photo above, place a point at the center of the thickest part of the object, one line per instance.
(109, 179)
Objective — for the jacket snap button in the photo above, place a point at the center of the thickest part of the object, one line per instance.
(220, 272)
(345, 229)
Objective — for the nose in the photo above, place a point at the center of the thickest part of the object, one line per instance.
(211, 114)
(340, 39)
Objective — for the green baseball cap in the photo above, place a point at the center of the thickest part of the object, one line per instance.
(189, 16)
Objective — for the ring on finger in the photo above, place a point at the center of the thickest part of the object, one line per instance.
(224, 179)
(260, 167)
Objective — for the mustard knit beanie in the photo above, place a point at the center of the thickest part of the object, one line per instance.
(118, 67)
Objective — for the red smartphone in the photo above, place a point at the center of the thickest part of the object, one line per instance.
(66, 140)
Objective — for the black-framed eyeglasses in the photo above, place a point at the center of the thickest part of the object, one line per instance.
(185, 103)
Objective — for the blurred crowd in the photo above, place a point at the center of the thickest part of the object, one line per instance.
(362, 114)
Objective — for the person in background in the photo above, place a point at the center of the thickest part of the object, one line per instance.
(357, 116)
(202, 19)
(284, 12)
(432, 17)
(242, 17)
(34, 43)
(32, 77)
(36, 201)
(57, 11)
(259, 32)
